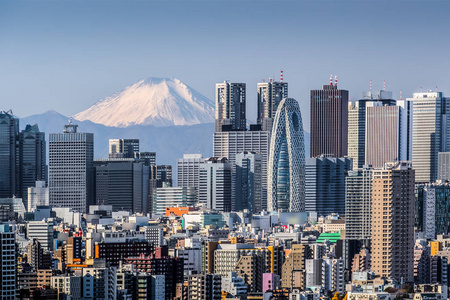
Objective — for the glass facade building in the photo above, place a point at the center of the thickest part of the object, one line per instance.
(286, 168)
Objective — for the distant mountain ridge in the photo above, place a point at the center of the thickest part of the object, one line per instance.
(159, 102)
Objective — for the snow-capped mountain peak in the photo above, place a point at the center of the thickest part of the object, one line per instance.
(152, 101)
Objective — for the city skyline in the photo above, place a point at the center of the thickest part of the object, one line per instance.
(71, 57)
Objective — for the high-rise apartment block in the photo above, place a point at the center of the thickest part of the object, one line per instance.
(123, 148)
(215, 184)
(7, 263)
(71, 169)
(393, 221)
(358, 204)
(270, 95)
(325, 184)
(329, 121)
(430, 133)
(122, 183)
(248, 188)
(230, 106)
(286, 166)
(9, 155)
(204, 287)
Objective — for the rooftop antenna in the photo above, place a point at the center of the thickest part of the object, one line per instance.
(384, 85)
(421, 89)
(401, 94)
(436, 89)
(331, 79)
(263, 80)
(370, 86)
(70, 121)
(281, 76)
(335, 80)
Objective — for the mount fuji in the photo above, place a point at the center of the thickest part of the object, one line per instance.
(159, 102)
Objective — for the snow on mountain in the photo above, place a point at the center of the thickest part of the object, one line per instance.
(152, 101)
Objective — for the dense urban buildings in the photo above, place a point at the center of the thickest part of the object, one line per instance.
(71, 169)
(286, 166)
(329, 121)
(430, 133)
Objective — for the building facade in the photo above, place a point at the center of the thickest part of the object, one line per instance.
(270, 95)
(9, 155)
(230, 106)
(123, 148)
(248, 188)
(71, 169)
(173, 197)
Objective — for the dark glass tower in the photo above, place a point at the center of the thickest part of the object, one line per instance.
(9, 155)
(32, 158)
(329, 121)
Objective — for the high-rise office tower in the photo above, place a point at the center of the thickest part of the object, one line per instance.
(387, 132)
(325, 184)
(148, 157)
(230, 106)
(430, 133)
(37, 196)
(188, 170)
(229, 144)
(7, 263)
(123, 148)
(71, 169)
(32, 158)
(248, 191)
(122, 183)
(329, 121)
(393, 221)
(215, 184)
(270, 95)
(9, 155)
(286, 166)
(357, 124)
(358, 204)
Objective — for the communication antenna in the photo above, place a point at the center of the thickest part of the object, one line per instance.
(401, 94)
(384, 85)
(281, 76)
(331, 79)
(370, 86)
(335, 80)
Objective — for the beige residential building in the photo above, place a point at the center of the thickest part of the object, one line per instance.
(393, 221)
(293, 274)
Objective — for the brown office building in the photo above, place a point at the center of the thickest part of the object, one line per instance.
(393, 221)
(329, 121)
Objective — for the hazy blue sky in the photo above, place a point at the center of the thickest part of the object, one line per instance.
(66, 55)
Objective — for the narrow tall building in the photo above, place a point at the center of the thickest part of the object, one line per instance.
(430, 133)
(9, 155)
(248, 190)
(329, 121)
(358, 204)
(393, 221)
(270, 95)
(230, 106)
(215, 184)
(7, 263)
(71, 169)
(286, 167)
(32, 158)
(188, 170)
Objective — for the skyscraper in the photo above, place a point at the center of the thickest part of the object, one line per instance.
(32, 158)
(325, 184)
(430, 133)
(215, 184)
(123, 148)
(444, 166)
(286, 166)
(393, 221)
(387, 132)
(122, 183)
(7, 263)
(230, 106)
(229, 144)
(358, 204)
(71, 169)
(270, 95)
(9, 155)
(329, 121)
(188, 170)
(248, 191)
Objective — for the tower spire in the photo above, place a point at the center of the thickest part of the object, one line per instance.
(281, 76)
(331, 79)
(335, 80)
